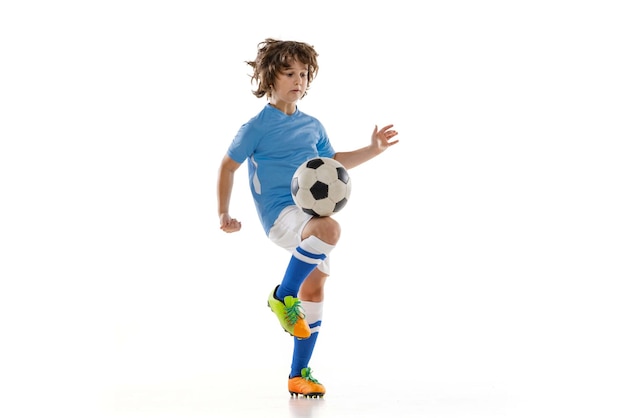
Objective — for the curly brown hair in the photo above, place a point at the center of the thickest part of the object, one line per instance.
(274, 56)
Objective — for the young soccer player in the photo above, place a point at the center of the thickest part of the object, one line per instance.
(275, 142)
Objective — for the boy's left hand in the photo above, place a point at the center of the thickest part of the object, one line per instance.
(381, 139)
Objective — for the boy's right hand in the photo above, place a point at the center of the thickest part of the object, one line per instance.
(228, 224)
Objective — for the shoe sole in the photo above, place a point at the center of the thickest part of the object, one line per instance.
(307, 395)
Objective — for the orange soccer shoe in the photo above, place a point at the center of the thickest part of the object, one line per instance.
(306, 385)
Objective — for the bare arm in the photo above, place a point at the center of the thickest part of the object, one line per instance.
(381, 140)
(225, 181)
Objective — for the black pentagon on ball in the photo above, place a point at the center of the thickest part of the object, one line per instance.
(314, 163)
(319, 190)
(310, 212)
(342, 174)
(294, 186)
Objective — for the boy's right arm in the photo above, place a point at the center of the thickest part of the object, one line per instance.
(225, 180)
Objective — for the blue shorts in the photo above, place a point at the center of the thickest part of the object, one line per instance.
(287, 232)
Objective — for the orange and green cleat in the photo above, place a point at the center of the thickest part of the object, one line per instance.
(306, 385)
(290, 315)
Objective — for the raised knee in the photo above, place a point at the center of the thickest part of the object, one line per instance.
(331, 231)
(327, 229)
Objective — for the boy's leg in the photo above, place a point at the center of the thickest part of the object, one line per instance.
(312, 297)
(283, 300)
(310, 240)
(300, 380)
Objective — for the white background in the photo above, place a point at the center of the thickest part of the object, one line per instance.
(485, 249)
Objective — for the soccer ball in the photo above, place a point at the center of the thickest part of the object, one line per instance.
(321, 186)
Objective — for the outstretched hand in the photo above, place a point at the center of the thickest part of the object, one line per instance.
(228, 224)
(381, 139)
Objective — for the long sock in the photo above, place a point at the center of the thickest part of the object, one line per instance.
(304, 259)
(303, 349)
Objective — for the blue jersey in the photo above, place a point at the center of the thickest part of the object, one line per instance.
(275, 145)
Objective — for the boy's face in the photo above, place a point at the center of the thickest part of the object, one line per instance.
(291, 83)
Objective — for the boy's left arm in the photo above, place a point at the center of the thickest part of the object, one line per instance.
(381, 140)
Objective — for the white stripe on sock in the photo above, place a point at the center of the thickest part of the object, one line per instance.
(313, 312)
(315, 245)
(305, 258)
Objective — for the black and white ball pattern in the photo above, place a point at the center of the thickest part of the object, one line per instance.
(321, 186)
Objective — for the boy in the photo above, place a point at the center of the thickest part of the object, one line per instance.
(275, 142)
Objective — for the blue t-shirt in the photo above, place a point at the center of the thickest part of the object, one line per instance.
(275, 145)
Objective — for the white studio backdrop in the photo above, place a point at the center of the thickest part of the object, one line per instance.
(486, 248)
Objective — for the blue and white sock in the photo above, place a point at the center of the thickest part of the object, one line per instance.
(304, 259)
(303, 349)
